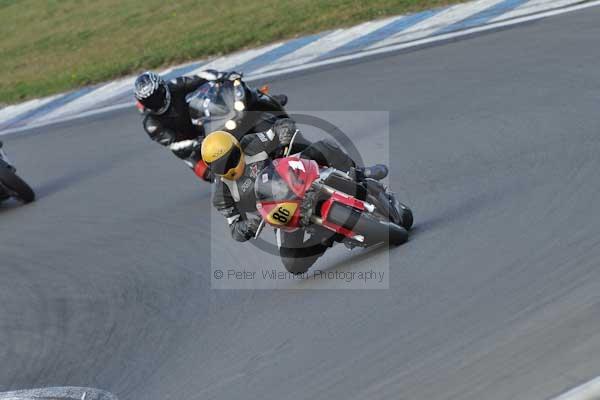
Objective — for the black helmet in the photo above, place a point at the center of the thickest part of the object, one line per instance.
(152, 91)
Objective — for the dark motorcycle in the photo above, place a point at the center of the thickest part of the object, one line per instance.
(232, 106)
(10, 183)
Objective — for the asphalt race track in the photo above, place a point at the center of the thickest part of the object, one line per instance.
(105, 281)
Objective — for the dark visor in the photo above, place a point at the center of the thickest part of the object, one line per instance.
(228, 161)
(156, 100)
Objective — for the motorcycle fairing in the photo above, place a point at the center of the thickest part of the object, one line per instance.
(298, 173)
(342, 198)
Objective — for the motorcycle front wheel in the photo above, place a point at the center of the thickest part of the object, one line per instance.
(17, 186)
(406, 216)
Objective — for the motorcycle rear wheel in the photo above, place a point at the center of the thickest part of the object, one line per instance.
(373, 230)
(406, 216)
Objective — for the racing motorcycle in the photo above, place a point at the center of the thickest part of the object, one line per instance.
(293, 193)
(10, 183)
(232, 106)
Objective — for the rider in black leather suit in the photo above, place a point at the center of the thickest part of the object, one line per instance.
(167, 117)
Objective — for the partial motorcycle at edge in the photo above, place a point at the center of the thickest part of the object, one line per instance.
(11, 185)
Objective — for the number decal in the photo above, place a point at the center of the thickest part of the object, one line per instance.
(280, 218)
(283, 214)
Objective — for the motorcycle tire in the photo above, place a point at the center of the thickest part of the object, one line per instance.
(383, 208)
(373, 230)
(406, 216)
(16, 185)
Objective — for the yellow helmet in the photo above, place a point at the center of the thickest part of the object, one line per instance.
(223, 154)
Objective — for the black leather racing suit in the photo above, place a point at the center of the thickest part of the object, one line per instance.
(236, 200)
(174, 129)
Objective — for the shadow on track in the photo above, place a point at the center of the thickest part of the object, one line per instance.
(60, 183)
(469, 207)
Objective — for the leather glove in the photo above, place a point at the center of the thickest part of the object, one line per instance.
(232, 76)
(246, 229)
(210, 75)
(184, 149)
(285, 130)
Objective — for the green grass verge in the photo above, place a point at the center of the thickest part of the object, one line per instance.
(51, 46)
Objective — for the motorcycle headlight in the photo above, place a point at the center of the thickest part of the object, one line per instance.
(239, 92)
(205, 105)
(230, 125)
(239, 105)
(240, 96)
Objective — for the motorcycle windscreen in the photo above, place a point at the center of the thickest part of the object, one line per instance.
(212, 106)
(271, 187)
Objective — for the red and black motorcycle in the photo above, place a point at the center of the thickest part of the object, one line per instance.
(296, 194)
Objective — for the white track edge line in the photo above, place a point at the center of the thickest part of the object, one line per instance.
(431, 39)
(589, 390)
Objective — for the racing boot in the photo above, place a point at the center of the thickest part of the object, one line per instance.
(376, 172)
